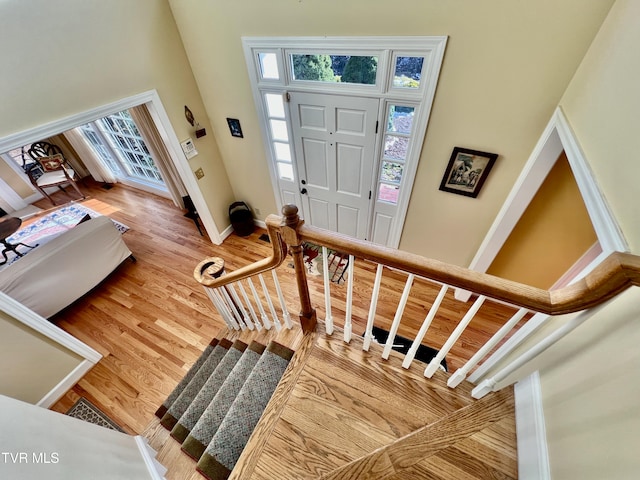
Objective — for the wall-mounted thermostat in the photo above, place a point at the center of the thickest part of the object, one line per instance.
(189, 148)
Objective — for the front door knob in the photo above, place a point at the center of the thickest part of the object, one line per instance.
(303, 191)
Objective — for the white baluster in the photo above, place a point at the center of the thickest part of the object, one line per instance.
(285, 313)
(411, 354)
(243, 292)
(347, 319)
(233, 308)
(463, 371)
(224, 313)
(244, 313)
(276, 322)
(435, 362)
(328, 320)
(372, 308)
(263, 315)
(396, 320)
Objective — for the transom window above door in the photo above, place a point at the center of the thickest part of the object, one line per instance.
(398, 73)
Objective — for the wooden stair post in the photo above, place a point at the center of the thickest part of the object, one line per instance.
(289, 231)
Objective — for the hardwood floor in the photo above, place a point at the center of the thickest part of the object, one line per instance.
(151, 320)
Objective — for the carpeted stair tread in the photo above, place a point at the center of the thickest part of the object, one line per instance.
(222, 453)
(186, 379)
(208, 424)
(180, 405)
(202, 400)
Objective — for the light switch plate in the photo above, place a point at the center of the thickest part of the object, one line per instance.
(199, 173)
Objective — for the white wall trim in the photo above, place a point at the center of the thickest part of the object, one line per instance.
(159, 115)
(65, 384)
(533, 455)
(31, 319)
(226, 232)
(156, 470)
(556, 137)
(579, 267)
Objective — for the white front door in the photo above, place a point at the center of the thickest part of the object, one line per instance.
(334, 142)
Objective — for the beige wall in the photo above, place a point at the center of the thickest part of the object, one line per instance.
(65, 57)
(17, 183)
(591, 378)
(506, 66)
(552, 234)
(32, 364)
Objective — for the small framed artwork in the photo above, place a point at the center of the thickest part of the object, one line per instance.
(234, 127)
(467, 171)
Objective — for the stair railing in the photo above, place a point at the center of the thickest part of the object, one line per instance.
(618, 272)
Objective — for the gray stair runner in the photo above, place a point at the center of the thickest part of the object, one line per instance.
(186, 379)
(210, 420)
(202, 400)
(215, 408)
(180, 405)
(224, 449)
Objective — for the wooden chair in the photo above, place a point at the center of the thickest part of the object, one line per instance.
(48, 168)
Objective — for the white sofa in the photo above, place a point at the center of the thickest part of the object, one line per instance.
(59, 272)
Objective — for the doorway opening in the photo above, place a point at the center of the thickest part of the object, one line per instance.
(343, 123)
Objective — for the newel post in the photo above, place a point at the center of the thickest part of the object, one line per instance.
(290, 224)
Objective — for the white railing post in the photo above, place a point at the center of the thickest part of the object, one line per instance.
(488, 385)
(263, 315)
(285, 313)
(222, 310)
(372, 309)
(435, 362)
(252, 312)
(347, 319)
(411, 354)
(276, 322)
(233, 308)
(463, 371)
(328, 320)
(396, 320)
(243, 312)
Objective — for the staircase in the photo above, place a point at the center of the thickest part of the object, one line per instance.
(338, 408)
(346, 407)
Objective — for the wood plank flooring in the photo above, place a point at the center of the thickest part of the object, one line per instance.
(151, 320)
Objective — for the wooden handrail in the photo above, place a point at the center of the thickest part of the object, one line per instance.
(278, 255)
(615, 274)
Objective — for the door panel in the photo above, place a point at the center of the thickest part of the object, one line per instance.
(316, 162)
(334, 141)
(350, 121)
(349, 169)
(348, 220)
(319, 211)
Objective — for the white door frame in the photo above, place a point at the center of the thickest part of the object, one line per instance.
(161, 119)
(386, 48)
(557, 137)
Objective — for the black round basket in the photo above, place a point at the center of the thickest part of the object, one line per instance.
(241, 219)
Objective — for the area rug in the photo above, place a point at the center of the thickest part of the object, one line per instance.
(401, 344)
(54, 224)
(313, 261)
(83, 409)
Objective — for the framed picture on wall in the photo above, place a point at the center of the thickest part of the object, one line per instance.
(234, 127)
(467, 171)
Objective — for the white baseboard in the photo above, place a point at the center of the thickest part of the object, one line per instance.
(226, 232)
(65, 384)
(533, 456)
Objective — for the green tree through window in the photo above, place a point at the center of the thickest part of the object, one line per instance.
(313, 67)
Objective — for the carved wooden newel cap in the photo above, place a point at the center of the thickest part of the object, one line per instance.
(209, 269)
(290, 213)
